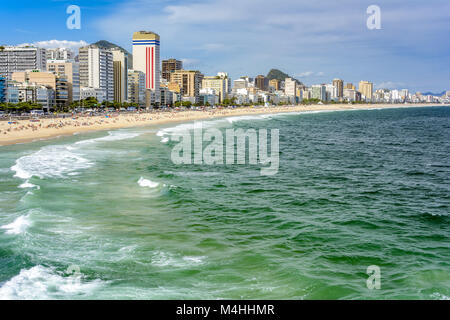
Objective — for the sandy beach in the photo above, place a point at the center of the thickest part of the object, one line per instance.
(27, 130)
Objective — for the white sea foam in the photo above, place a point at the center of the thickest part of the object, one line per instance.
(440, 296)
(112, 136)
(18, 226)
(246, 118)
(186, 127)
(173, 130)
(147, 183)
(164, 259)
(167, 132)
(50, 161)
(43, 283)
(27, 185)
(194, 260)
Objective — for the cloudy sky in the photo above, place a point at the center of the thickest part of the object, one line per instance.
(314, 41)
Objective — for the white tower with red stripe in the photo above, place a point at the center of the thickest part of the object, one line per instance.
(146, 59)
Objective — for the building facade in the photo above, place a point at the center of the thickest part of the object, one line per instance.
(71, 70)
(319, 91)
(3, 89)
(227, 79)
(290, 87)
(261, 82)
(16, 59)
(166, 96)
(34, 93)
(349, 86)
(120, 63)
(240, 84)
(218, 84)
(60, 54)
(366, 90)
(169, 66)
(189, 82)
(275, 84)
(352, 95)
(333, 92)
(339, 84)
(58, 83)
(97, 69)
(99, 94)
(146, 51)
(136, 87)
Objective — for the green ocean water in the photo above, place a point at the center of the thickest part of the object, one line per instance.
(354, 189)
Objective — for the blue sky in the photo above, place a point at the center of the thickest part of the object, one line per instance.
(314, 41)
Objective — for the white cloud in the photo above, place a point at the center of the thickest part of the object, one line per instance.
(52, 44)
(305, 74)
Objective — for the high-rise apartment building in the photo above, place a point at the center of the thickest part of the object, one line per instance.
(275, 84)
(71, 70)
(240, 84)
(60, 54)
(349, 86)
(319, 91)
(169, 66)
(290, 87)
(366, 89)
(224, 76)
(97, 69)
(332, 92)
(136, 87)
(146, 47)
(17, 59)
(339, 84)
(220, 84)
(189, 82)
(261, 82)
(120, 63)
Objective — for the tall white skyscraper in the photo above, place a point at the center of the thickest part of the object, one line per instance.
(97, 70)
(146, 59)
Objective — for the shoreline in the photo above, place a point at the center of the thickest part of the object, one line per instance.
(25, 131)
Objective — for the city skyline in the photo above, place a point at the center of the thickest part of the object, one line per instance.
(311, 50)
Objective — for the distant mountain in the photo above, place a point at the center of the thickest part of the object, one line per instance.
(434, 94)
(109, 45)
(280, 75)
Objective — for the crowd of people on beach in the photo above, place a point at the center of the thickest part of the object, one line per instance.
(108, 120)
